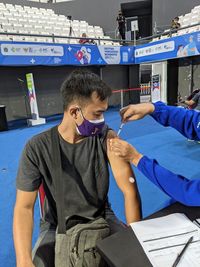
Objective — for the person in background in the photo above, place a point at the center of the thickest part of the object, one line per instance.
(121, 24)
(86, 40)
(193, 101)
(187, 122)
(175, 23)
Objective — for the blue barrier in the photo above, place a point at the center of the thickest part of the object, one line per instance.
(23, 54)
(181, 46)
(26, 54)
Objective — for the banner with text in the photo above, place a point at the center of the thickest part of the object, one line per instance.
(20, 54)
(176, 47)
(26, 54)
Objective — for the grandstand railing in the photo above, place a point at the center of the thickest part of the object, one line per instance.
(169, 33)
(99, 39)
(53, 36)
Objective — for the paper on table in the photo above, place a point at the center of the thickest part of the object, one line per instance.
(163, 239)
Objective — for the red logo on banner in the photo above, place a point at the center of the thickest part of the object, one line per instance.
(79, 55)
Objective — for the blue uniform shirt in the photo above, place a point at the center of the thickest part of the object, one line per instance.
(187, 122)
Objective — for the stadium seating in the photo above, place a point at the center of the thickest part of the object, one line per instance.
(189, 19)
(40, 21)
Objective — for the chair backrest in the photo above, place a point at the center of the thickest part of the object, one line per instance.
(41, 197)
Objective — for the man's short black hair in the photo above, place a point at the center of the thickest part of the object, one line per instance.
(80, 85)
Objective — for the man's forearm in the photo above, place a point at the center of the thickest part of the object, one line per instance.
(188, 102)
(22, 230)
(132, 207)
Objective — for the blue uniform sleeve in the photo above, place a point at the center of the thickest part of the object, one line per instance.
(187, 122)
(176, 186)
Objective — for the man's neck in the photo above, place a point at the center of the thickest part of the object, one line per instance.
(68, 132)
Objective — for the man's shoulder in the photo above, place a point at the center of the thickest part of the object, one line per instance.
(40, 140)
(106, 132)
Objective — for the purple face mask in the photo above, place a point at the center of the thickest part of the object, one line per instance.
(90, 127)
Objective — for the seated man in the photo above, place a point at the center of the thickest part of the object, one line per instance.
(84, 155)
(193, 101)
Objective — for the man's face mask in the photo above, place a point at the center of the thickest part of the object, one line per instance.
(90, 127)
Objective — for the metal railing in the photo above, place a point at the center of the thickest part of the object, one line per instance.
(98, 40)
(54, 37)
(169, 33)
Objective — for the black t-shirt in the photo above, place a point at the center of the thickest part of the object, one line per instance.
(85, 174)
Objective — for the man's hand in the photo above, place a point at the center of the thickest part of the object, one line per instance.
(136, 112)
(125, 151)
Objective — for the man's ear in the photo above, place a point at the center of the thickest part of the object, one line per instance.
(74, 111)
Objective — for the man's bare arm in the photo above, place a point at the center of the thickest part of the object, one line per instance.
(23, 227)
(189, 102)
(122, 171)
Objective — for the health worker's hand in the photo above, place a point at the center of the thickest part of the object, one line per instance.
(125, 150)
(136, 112)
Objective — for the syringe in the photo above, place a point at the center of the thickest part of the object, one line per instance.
(120, 129)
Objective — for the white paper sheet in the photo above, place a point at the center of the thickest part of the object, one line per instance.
(163, 239)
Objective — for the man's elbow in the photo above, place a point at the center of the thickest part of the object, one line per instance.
(132, 196)
(22, 211)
